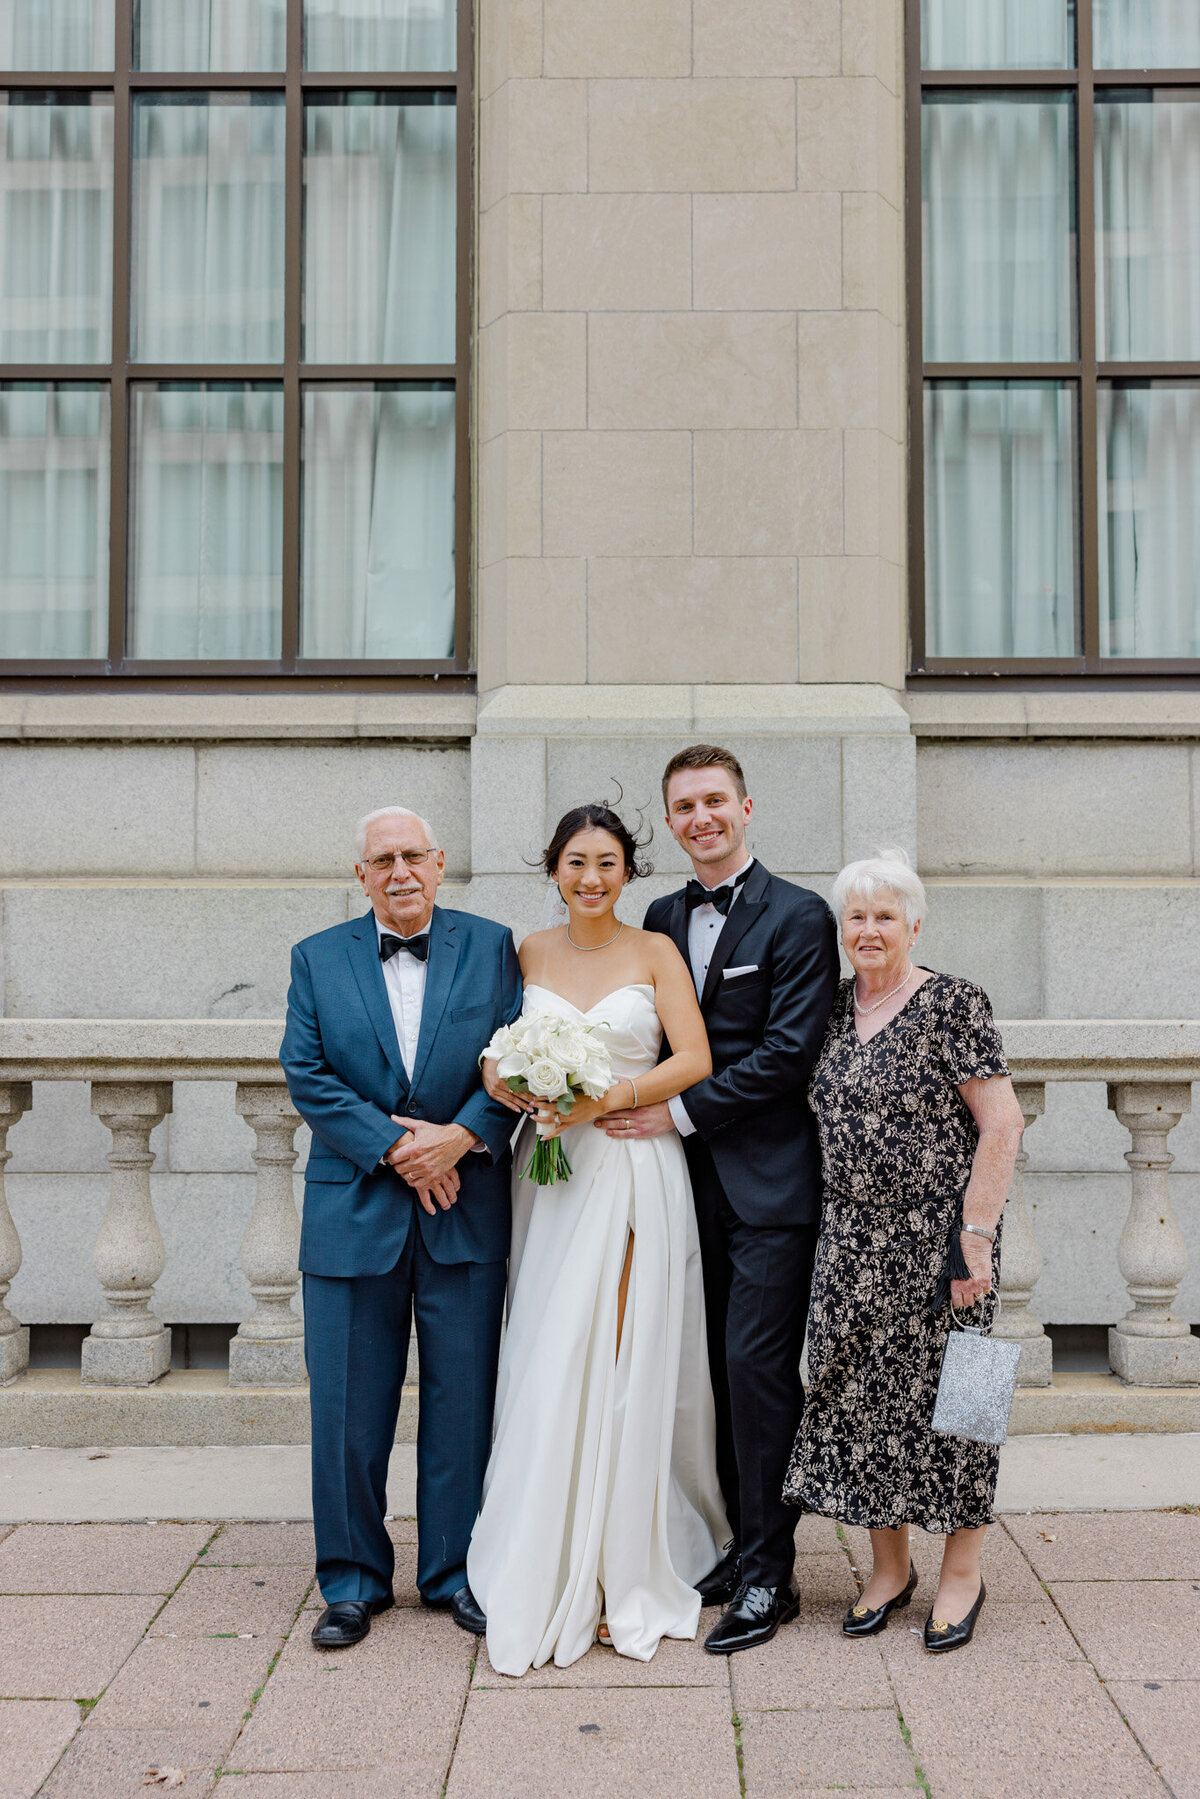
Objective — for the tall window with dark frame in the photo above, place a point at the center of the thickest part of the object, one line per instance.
(233, 338)
(1054, 295)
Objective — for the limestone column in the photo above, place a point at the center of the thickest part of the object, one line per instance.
(16, 1097)
(1152, 1346)
(1021, 1260)
(268, 1350)
(128, 1346)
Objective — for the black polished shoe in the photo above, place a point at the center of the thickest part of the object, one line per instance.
(940, 1636)
(347, 1621)
(467, 1612)
(722, 1582)
(864, 1621)
(754, 1616)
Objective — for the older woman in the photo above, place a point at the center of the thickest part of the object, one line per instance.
(920, 1130)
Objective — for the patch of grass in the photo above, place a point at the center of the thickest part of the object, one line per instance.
(906, 1733)
(741, 1760)
(87, 1706)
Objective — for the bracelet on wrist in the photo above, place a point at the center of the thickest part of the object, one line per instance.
(978, 1230)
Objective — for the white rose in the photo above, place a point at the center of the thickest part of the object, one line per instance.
(595, 1078)
(571, 1048)
(546, 1079)
(502, 1044)
(514, 1065)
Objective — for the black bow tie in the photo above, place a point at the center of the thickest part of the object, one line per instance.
(416, 946)
(720, 897)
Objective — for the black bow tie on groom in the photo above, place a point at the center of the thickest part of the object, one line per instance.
(416, 946)
(721, 897)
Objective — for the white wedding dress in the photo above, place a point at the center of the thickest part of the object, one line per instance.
(601, 1492)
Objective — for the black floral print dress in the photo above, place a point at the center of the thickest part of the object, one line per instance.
(897, 1142)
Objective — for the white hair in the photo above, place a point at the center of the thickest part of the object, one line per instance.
(369, 818)
(887, 871)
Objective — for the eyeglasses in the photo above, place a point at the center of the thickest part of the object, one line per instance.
(411, 859)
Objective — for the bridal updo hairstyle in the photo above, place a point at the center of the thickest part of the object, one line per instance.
(598, 817)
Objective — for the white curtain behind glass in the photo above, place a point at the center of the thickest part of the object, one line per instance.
(1000, 524)
(1149, 472)
(996, 230)
(1146, 34)
(206, 523)
(56, 231)
(378, 561)
(53, 521)
(1148, 229)
(380, 34)
(210, 34)
(379, 233)
(208, 215)
(56, 34)
(997, 34)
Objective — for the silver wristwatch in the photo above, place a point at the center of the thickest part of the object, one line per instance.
(977, 1230)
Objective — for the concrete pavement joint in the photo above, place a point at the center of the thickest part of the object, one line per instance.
(1083, 1652)
(737, 1749)
(462, 1712)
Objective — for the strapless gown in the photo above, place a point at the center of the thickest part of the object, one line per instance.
(601, 1491)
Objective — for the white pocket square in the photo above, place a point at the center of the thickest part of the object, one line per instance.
(727, 974)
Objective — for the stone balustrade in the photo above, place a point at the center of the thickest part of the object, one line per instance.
(131, 1065)
(1148, 1067)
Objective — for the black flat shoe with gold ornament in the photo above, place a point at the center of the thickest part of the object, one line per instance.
(940, 1636)
(864, 1620)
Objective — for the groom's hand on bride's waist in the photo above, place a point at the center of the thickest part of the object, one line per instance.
(646, 1121)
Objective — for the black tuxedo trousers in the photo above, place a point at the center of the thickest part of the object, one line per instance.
(757, 1279)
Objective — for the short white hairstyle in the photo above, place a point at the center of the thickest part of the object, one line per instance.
(369, 818)
(887, 871)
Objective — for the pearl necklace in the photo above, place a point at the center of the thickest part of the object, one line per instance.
(865, 1011)
(592, 947)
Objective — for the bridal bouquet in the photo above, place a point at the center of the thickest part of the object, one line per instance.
(551, 1058)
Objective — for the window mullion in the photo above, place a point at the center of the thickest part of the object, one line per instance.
(293, 289)
(118, 538)
(1085, 140)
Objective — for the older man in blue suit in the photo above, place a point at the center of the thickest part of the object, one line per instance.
(406, 1213)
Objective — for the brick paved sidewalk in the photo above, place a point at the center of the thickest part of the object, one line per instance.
(132, 1648)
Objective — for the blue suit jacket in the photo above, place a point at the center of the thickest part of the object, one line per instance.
(346, 1078)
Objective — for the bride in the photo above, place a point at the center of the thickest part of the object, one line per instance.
(601, 1508)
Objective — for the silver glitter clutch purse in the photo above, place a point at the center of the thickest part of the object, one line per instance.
(979, 1378)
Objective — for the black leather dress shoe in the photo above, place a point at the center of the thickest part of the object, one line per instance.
(754, 1616)
(722, 1582)
(940, 1636)
(347, 1621)
(864, 1621)
(467, 1612)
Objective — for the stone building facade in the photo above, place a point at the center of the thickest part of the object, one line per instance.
(690, 462)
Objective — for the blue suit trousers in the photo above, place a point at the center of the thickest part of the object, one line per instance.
(356, 1344)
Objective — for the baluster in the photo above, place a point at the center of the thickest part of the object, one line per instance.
(128, 1346)
(16, 1097)
(1021, 1260)
(1151, 1347)
(268, 1350)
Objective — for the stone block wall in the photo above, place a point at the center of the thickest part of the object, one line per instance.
(689, 387)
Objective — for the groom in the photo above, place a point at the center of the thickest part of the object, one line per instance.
(406, 1212)
(763, 954)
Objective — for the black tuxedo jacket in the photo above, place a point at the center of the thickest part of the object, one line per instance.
(765, 1029)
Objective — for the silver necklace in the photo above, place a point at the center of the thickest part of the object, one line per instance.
(590, 947)
(865, 1011)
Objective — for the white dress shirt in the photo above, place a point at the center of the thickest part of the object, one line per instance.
(705, 924)
(404, 978)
